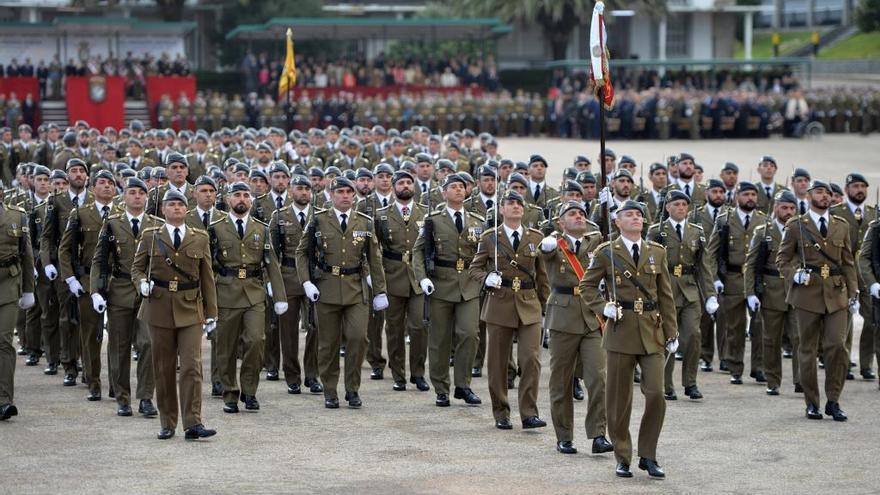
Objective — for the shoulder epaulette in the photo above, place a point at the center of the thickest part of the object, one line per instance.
(262, 196)
(199, 231)
(264, 224)
(368, 217)
(435, 213)
(532, 229)
(655, 244)
(114, 216)
(154, 218)
(478, 217)
(594, 232)
(152, 229)
(215, 222)
(840, 218)
(385, 208)
(603, 244)
(16, 208)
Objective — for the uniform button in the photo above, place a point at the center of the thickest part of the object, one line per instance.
(343, 250)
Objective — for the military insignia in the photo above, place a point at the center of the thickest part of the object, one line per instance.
(97, 89)
(477, 230)
(256, 237)
(24, 229)
(651, 260)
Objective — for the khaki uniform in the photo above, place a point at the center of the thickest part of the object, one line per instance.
(286, 232)
(397, 237)
(765, 202)
(75, 255)
(239, 263)
(575, 338)
(59, 162)
(548, 194)
(156, 194)
(821, 305)
(114, 255)
(706, 216)
(369, 205)
(697, 195)
(198, 165)
(638, 338)
(868, 276)
(175, 311)
(733, 299)
(16, 278)
(777, 315)
(691, 277)
(455, 300)
(344, 260)
(345, 162)
(47, 298)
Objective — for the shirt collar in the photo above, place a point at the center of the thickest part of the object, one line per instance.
(340, 213)
(853, 206)
(297, 210)
(572, 241)
(81, 196)
(629, 245)
(452, 213)
(780, 225)
(201, 212)
(100, 206)
(244, 219)
(673, 223)
(171, 228)
(815, 216)
(275, 196)
(140, 218)
(401, 205)
(742, 215)
(682, 183)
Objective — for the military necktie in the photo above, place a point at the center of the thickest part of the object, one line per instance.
(240, 224)
(515, 241)
(279, 203)
(803, 207)
(636, 254)
(176, 238)
(205, 219)
(577, 246)
(343, 224)
(714, 214)
(384, 202)
(678, 231)
(75, 201)
(687, 189)
(823, 229)
(537, 191)
(746, 223)
(769, 194)
(858, 215)
(302, 220)
(135, 228)
(459, 224)
(489, 204)
(424, 188)
(105, 210)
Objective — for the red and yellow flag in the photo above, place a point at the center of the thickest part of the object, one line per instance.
(288, 75)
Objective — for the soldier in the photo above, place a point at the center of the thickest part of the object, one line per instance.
(199, 160)
(180, 301)
(859, 215)
(17, 287)
(286, 228)
(533, 215)
(338, 279)
(241, 251)
(691, 277)
(705, 216)
(729, 175)
(800, 183)
(641, 324)
(575, 333)
(727, 249)
(539, 193)
(176, 170)
(869, 269)
(767, 187)
(517, 293)
(112, 291)
(766, 289)
(621, 191)
(398, 226)
(444, 249)
(686, 181)
(815, 255)
(66, 153)
(657, 174)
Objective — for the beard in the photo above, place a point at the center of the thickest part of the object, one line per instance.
(404, 194)
(240, 209)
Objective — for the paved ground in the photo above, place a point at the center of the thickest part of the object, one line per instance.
(736, 440)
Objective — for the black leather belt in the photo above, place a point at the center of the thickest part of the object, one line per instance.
(734, 268)
(9, 262)
(393, 255)
(174, 285)
(517, 284)
(634, 306)
(824, 269)
(288, 262)
(570, 291)
(679, 270)
(118, 274)
(459, 264)
(242, 272)
(338, 270)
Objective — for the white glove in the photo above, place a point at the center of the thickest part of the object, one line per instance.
(754, 303)
(269, 289)
(427, 286)
(50, 271)
(604, 196)
(369, 281)
(98, 303)
(36, 273)
(712, 305)
(209, 326)
(312, 292)
(26, 301)
(875, 290)
(548, 244)
(280, 308)
(146, 287)
(75, 287)
(380, 302)
(719, 286)
(672, 346)
(493, 280)
(801, 277)
(854, 305)
(610, 311)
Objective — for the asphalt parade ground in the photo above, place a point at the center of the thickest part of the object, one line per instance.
(736, 440)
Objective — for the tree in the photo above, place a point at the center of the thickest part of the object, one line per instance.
(868, 15)
(557, 18)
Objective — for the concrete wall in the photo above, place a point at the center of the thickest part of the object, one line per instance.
(643, 38)
(701, 42)
(724, 34)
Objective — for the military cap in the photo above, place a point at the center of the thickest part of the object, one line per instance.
(103, 140)
(239, 187)
(675, 195)
(298, 170)
(516, 177)
(572, 186)
(172, 195)
(136, 125)
(468, 133)
(332, 170)
(279, 166)
(159, 134)
(378, 129)
(452, 178)
(768, 158)
(586, 177)
(300, 180)
(454, 146)
(276, 131)
(226, 132)
(40, 170)
(746, 186)
(332, 128)
(158, 173)
(144, 173)
(492, 142)
(408, 165)
(610, 153)
(655, 167)
(854, 177)
(446, 163)
(467, 177)
(581, 159)
(75, 162)
(258, 174)
(58, 174)
(713, 183)
(364, 172)
(487, 171)
(316, 132)
(383, 168)
(204, 180)
(69, 138)
(135, 182)
(730, 166)
(264, 146)
(626, 159)
(621, 173)
(572, 205)
(406, 134)
(800, 172)
(570, 173)
(302, 142)
(126, 173)
(835, 189)
(316, 172)
(505, 161)
(538, 158)
(684, 156)
(423, 157)
(241, 167)
(201, 136)
(353, 142)
(341, 183)
(698, 167)
(785, 197)
(521, 166)
(349, 174)
(175, 158)
(103, 174)
(817, 184)
(402, 174)
(511, 195)
(230, 162)
(435, 139)
(632, 205)
(135, 142)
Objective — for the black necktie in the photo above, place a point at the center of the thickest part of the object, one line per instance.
(278, 203)
(537, 191)
(205, 219)
(459, 225)
(302, 220)
(678, 231)
(176, 238)
(746, 223)
(636, 254)
(135, 227)
(105, 210)
(343, 224)
(424, 188)
(577, 247)
(714, 214)
(515, 241)
(75, 201)
(803, 207)
(240, 224)
(769, 194)
(823, 229)
(687, 189)
(384, 202)
(489, 204)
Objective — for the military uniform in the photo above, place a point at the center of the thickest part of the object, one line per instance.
(369, 205)
(765, 201)
(183, 299)
(47, 329)
(648, 322)
(156, 194)
(869, 275)
(239, 262)
(705, 217)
